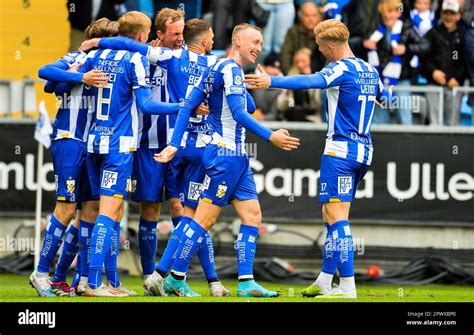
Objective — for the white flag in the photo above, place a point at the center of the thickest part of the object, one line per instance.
(43, 126)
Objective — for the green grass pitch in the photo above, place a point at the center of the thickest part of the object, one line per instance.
(14, 288)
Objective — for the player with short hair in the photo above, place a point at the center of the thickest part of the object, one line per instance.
(353, 86)
(113, 139)
(184, 67)
(228, 174)
(68, 139)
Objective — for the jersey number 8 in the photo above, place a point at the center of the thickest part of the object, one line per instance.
(104, 97)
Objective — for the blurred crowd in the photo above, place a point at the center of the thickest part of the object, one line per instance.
(410, 42)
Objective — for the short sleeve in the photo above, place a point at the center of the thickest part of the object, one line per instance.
(333, 73)
(163, 56)
(74, 58)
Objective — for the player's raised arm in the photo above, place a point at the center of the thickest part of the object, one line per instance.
(156, 55)
(280, 138)
(56, 72)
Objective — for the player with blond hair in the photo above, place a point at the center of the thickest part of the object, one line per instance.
(229, 178)
(68, 140)
(353, 86)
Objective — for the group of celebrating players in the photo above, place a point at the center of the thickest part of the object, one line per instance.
(169, 118)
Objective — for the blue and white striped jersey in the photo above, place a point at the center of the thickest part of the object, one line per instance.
(225, 78)
(114, 125)
(352, 88)
(153, 129)
(184, 68)
(72, 120)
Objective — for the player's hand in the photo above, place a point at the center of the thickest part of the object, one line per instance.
(440, 77)
(89, 44)
(202, 109)
(166, 154)
(156, 43)
(95, 78)
(282, 139)
(261, 80)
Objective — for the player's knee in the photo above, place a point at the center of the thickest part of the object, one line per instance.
(254, 218)
(207, 222)
(176, 209)
(150, 211)
(90, 210)
(64, 211)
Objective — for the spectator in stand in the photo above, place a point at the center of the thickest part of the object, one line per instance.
(226, 14)
(84, 12)
(300, 105)
(282, 16)
(467, 25)
(333, 9)
(445, 64)
(391, 48)
(422, 17)
(361, 19)
(266, 99)
(301, 35)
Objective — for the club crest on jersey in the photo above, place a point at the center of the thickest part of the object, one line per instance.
(109, 179)
(344, 185)
(194, 191)
(237, 80)
(221, 189)
(71, 185)
(327, 72)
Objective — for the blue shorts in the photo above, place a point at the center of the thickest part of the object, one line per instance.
(148, 177)
(339, 179)
(70, 172)
(110, 174)
(174, 182)
(228, 176)
(193, 177)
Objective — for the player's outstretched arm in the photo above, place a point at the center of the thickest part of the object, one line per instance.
(55, 72)
(195, 97)
(153, 54)
(116, 43)
(148, 106)
(280, 138)
(124, 43)
(295, 82)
